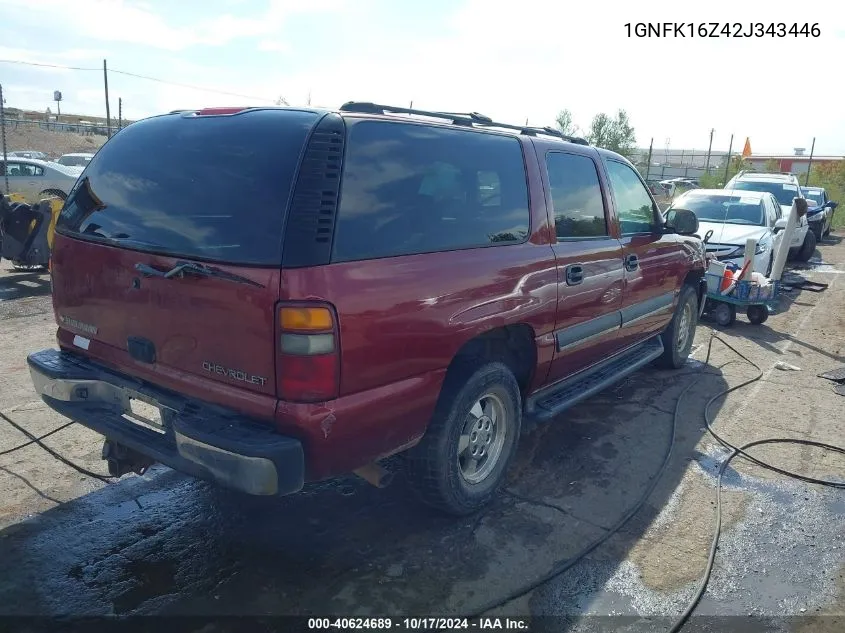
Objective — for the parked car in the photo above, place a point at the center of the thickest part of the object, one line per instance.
(734, 217)
(676, 186)
(355, 285)
(37, 179)
(26, 154)
(820, 215)
(75, 160)
(785, 188)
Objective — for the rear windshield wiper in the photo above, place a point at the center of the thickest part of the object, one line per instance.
(182, 268)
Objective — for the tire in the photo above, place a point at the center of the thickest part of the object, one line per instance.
(757, 314)
(678, 336)
(439, 469)
(807, 248)
(724, 314)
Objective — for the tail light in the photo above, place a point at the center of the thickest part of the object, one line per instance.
(307, 353)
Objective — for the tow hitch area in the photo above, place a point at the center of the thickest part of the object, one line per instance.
(123, 460)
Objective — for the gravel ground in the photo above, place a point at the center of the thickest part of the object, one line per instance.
(166, 544)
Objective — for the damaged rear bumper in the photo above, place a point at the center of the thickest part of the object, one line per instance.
(196, 438)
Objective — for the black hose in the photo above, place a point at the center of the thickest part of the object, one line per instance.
(741, 450)
(64, 460)
(562, 566)
(35, 440)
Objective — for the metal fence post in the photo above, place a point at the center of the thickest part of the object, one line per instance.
(709, 149)
(810, 163)
(648, 164)
(3, 135)
(728, 162)
(106, 85)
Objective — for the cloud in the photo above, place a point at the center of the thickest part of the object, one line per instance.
(140, 23)
(273, 46)
(470, 55)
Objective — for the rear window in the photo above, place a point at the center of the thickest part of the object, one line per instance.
(210, 188)
(784, 192)
(419, 189)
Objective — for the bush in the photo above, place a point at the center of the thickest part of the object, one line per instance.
(831, 176)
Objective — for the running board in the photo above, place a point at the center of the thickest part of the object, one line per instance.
(552, 401)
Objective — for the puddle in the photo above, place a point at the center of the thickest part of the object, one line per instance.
(779, 560)
(817, 266)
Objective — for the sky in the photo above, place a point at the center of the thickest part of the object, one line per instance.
(512, 61)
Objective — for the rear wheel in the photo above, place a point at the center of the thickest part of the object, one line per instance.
(678, 336)
(724, 314)
(807, 248)
(462, 459)
(757, 314)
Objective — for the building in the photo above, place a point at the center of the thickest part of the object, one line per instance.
(797, 163)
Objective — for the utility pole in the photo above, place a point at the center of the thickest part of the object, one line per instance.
(120, 113)
(728, 162)
(3, 135)
(709, 149)
(106, 85)
(648, 163)
(810, 164)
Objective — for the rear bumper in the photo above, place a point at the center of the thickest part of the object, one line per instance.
(198, 438)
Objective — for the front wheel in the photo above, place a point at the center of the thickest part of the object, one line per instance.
(462, 459)
(677, 337)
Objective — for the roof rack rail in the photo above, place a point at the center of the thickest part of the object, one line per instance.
(467, 119)
(743, 172)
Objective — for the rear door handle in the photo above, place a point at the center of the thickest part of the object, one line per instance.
(632, 263)
(574, 275)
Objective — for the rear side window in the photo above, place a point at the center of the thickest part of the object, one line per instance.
(410, 189)
(212, 188)
(576, 196)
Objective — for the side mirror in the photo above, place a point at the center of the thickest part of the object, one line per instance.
(682, 221)
(830, 204)
(801, 207)
(780, 224)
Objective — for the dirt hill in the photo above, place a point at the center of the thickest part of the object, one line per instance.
(31, 137)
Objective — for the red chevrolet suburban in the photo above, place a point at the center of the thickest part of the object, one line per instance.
(267, 296)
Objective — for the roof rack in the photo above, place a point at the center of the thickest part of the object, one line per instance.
(742, 172)
(466, 119)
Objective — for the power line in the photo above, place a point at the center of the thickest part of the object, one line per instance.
(176, 83)
(23, 63)
(137, 76)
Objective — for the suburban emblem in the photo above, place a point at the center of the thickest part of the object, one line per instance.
(234, 374)
(78, 325)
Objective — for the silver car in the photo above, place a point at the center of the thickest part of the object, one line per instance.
(37, 179)
(75, 160)
(28, 153)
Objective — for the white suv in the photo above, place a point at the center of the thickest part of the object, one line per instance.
(784, 187)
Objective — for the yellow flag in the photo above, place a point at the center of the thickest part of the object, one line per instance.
(746, 151)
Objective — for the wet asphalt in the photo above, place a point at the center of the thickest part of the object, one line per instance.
(167, 544)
